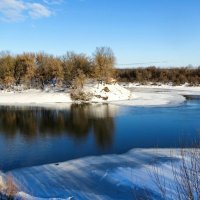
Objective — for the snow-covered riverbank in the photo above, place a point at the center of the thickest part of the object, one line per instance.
(162, 95)
(100, 93)
(97, 177)
(124, 94)
(182, 89)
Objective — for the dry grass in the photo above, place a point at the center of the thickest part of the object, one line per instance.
(79, 95)
(9, 189)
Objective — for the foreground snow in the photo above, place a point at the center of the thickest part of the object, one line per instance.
(125, 176)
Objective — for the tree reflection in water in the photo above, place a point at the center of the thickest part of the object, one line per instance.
(77, 122)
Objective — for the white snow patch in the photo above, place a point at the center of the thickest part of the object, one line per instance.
(182, 89)
(157, 95)
(152, 99)
(110, 92)
(33, 97)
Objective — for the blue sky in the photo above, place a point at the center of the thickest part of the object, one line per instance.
(160, 32)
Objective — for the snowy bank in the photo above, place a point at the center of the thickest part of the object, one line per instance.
(101, 93)
(152, 99)
(182, 89)
(157, 95)
(97, 177)
(109, 92)
(124, 94)
(32, 97)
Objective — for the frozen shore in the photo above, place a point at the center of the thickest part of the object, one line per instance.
(97, 177)
(123, 94)
(158, 95)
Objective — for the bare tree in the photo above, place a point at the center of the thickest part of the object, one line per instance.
(49, 68)
(25, 68)
(104, 61)
(7, 63)
(73, 64)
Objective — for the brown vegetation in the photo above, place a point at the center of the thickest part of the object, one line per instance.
(176, 76)
(79, 95)
(38, 70)
(7, 64)
(104, 61)
(74, 64)
(9, 189)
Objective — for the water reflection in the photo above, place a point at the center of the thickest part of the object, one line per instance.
(36, 136)
(77, 122)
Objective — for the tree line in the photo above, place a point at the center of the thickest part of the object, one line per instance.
(176, 76)
(35, 70)
(38, 69)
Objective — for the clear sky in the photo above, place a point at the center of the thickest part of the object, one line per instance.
(160, 32)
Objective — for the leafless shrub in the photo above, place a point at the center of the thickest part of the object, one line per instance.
(185, 177)
(79, 95)
(159, 181)
(79, 81)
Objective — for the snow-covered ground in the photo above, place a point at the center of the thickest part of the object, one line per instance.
(125, 176)
(33, 96)
(151, 98)
(157, 95)
(110, 92)
(123, 94)
(100, 92)
(180, 89)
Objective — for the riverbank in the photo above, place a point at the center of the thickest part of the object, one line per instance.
(99, 177)
(123, 94)
(158, 95)
(100, 93)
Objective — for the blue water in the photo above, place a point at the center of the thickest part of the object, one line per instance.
(33, 136)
